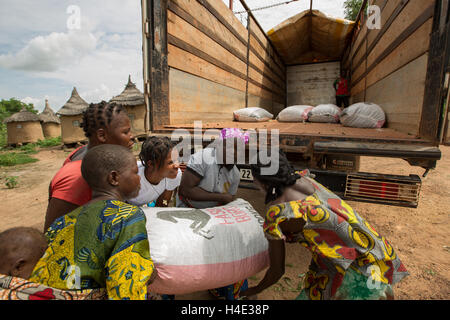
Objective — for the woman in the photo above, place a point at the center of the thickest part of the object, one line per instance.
(212, 179)
(350, 259)
(159, 171)
(102, 244)
(103, 123)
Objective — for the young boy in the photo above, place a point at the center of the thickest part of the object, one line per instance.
(102, 244)
(20, 250)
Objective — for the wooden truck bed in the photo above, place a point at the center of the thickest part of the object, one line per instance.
(305, 129)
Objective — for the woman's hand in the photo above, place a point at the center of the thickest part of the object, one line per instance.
(277, 255)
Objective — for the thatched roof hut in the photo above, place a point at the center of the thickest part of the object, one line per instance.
(23, 127)
(71, 115)
(74, 106)
(22, 116)
(130, 96)
(133, 100)
(51, 124)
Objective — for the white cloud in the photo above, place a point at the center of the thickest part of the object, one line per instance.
(28, 100)
(103, 92)
(51, 52)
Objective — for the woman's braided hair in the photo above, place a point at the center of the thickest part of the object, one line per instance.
(276, 183)
(99, 115)
(155, 149)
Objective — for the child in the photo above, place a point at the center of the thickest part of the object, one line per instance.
(351, 261)
(20, 250)
(102, 244)
(159, 171)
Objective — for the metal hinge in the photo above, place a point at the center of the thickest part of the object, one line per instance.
(147, 29)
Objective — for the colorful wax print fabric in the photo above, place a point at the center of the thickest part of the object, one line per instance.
(100, 245)
(13, 288)
(339, 240)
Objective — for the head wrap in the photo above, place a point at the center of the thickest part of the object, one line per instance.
(234, 133)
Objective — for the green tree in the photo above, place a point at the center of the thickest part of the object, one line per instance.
(7, 108)
(351, 9)
(11, 106)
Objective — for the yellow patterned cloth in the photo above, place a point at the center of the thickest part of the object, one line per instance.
(100, 245)
(339, 240)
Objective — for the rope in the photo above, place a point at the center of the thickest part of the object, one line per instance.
(266, 7)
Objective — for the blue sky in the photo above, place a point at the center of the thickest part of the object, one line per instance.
(44, 52)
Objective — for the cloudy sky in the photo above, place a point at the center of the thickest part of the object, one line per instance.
(49, 46)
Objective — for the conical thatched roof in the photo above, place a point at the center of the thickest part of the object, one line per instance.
(22, 116)
(48, 115)
(130, 96)
(74, 106)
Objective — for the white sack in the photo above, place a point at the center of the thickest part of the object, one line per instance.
(363, 115)
(196, 250)
(252, 115)
(294, 114)
(325, 113)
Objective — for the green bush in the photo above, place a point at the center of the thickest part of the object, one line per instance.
(50, 142)
(29, 148)
(11, 182)
(13, 158)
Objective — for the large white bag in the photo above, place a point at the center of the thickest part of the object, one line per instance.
(325, 113)
(252, 115)
(196, 250)
(363, 115)
(294, 114)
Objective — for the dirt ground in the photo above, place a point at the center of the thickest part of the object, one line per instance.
(421, 236)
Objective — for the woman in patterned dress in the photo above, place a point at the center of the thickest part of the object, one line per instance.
(350, 260)
(102, 244)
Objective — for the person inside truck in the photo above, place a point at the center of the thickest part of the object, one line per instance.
(342, 90)
(350, 260)
(209, 182)
(103, 123)
(159, 171)
(102, 244)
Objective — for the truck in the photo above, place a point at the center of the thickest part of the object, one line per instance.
(201, 63)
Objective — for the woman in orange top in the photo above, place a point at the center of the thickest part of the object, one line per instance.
(103, 123)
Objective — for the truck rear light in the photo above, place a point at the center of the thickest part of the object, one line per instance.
(386, 189)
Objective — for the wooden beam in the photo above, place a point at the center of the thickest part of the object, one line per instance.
(259, 26)
(157, 65)
(386, 26)
(214, 35)
(427, 14)
(432, 104)
(198, 53)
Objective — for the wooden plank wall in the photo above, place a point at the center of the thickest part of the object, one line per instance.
(216, 65)
(388, 66)
(312, 84)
